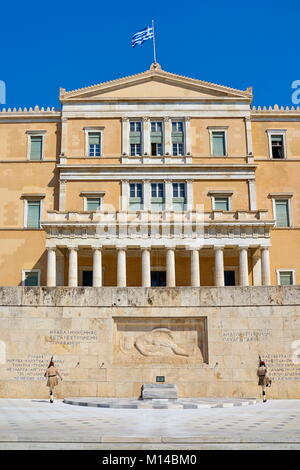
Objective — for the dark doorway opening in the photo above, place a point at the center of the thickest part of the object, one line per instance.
(158, 279)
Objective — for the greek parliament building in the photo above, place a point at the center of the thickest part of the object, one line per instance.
(181, 200)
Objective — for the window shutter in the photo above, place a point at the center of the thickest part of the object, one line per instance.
(221, 204)
(156, 137)
(94, 138)
(218, 139)
(33, 214)
(135, 137)
(177, 137)
(282, 213)
(36, 147)
(286, 278)
(93, 204)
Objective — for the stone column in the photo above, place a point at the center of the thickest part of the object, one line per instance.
(62, 195)
(60, 268)
(188, 143)
(252, 195)
(168, 136)
(125, 193)
(121, 267)
(195, 268)
(171, 277)
(73, 267)
(97, 266)
(64, 136)
(168, 195)
(219, 266)
(249, 136)
(146, 135)
(256, 262)
(146, 267)
(125, 136)
(51, 267)
(147, 195)
(265, 266)
(189, 195)
(243, 258)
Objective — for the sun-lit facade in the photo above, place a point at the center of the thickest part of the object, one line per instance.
(154, 179)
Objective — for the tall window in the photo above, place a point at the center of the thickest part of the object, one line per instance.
(156, 138)
(36, 147)
(135, 138)
(33, 213)
(94, 145)
(218, 143)
(93, 203)
(282, 214)
(179, 196)
(177, 138)
(136, 196)
(277, 146)
(157, 196)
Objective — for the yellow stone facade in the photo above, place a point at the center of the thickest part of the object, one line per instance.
(254, 240)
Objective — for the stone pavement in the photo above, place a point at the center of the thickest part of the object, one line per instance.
(159, 403)
(37, 424)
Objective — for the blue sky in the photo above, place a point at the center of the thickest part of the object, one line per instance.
(47, 45)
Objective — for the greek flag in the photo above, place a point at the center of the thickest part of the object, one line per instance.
(138, 38)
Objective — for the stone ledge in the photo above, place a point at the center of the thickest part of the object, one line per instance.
(150, 297)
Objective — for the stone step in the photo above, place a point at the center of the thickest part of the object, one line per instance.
(159, 391)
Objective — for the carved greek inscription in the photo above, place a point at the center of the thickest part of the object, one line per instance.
(32, 367)
(245, 336)
(72, 337)
(281, 367)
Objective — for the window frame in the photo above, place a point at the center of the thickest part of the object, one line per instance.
(285, 270)
(136, 199)
(222, 197)
(25, 211)
(92, 197)
(158, 199)
(289, 207)
(183, 143)
(211, 130)
(37, 133)
(93, 130)
(162, 143)
(141, 131)
(179, 199)
(23, 276)
(281, 132)
(221, 194)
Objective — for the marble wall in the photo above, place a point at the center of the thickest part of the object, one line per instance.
(109, 341)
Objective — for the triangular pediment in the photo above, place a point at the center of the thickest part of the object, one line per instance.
(155, 84)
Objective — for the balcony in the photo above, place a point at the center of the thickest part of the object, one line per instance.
(159, 228)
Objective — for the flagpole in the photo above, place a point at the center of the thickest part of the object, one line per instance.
(154, 47)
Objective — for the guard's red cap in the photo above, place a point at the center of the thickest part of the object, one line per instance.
(262, 363)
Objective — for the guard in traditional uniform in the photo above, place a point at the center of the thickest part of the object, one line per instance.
(263, 379)
(52, 373)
